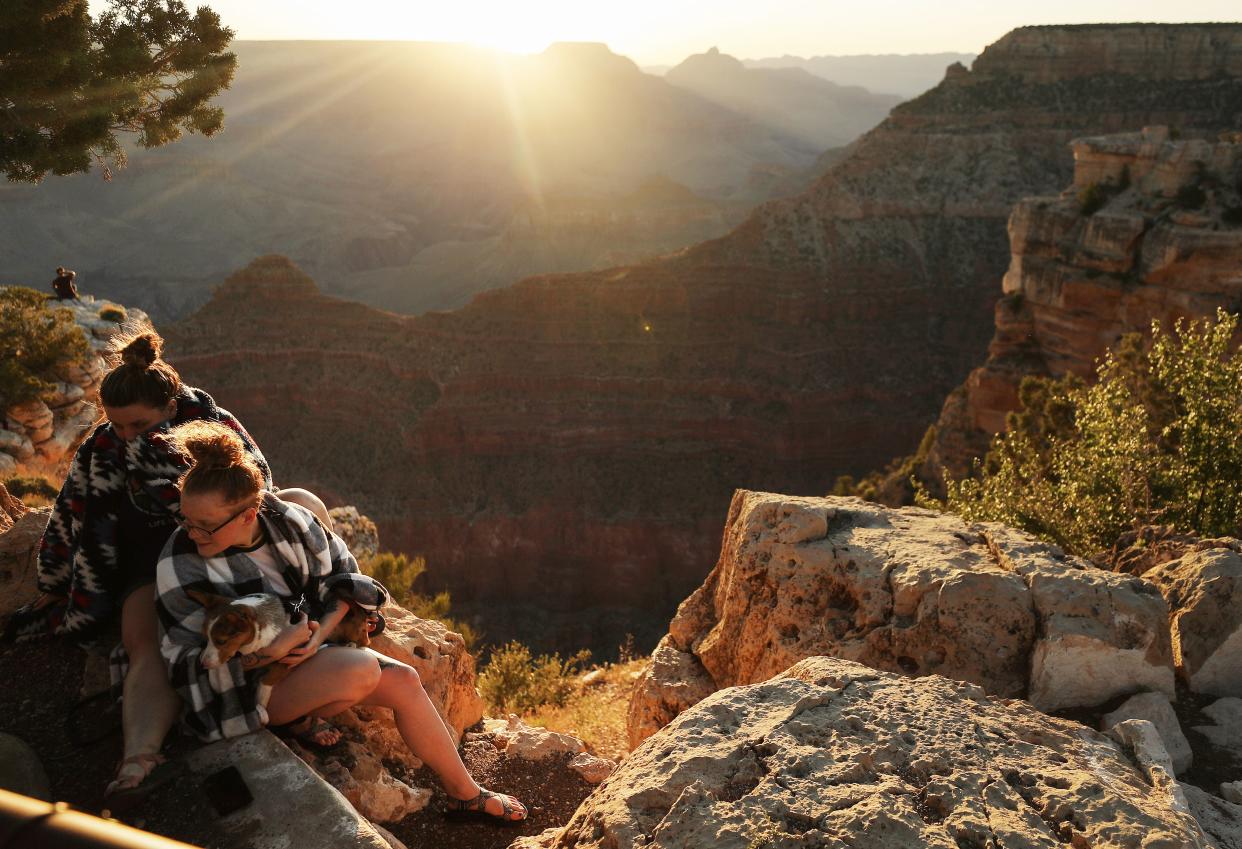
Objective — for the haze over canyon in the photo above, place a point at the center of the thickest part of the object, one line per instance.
(571, 441)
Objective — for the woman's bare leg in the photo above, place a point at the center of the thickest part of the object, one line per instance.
(336, 678)
(310, 501)
(424, 732)
(150, 705)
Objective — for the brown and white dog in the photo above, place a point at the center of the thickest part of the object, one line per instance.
(246, 625)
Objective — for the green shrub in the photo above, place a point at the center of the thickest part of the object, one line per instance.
(398, 573)
(515, 681)
(1158, 439)
(113, 313)
(34, 339)
(22, 486)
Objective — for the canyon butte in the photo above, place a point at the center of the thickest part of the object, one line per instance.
(570, 442)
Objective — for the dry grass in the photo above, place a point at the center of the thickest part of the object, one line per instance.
(596, 711)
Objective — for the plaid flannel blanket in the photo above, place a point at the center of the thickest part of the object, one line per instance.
(222, 702)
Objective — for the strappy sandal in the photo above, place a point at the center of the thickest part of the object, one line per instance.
(309, 731)
(156, 772)
(476, 808)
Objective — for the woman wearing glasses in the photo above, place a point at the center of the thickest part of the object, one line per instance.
(237, 539)
(97, 559)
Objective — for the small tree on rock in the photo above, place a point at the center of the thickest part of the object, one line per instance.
(69, 83)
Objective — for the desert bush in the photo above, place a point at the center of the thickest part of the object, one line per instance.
(514, 680)
(1157, 439)
(35, 337)
(399, 573)
(113, 313)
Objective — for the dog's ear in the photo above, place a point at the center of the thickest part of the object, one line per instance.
(211, 601)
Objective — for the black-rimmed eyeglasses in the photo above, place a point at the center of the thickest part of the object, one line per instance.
(189, 529)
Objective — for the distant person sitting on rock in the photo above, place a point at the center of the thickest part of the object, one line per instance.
(97, 558)
(64, 286)
(237, 539)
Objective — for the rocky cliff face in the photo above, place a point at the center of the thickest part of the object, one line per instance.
(36, 436)
(1150, 229)
(573, 439)
(908, 591)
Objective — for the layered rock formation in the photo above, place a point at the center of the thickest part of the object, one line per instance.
(907, 591)
(36, 436)
(832, 753)
(572, 440)
(1150, 229)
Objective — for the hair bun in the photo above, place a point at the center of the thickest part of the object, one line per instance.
(211, 445)
(142, 350)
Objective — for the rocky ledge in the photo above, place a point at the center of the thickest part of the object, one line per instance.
(916, 592)
(832, 753)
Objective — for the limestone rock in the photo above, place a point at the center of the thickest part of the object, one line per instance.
(374, 791)
(358, 532)
(1225, 732)
(907, 591)
(11, 508)
(33, 417)
(1156, 709)
(592, 768)
(1220, 819)
(19, 550)
(20, 769)
(520, 740)
(1204, 592)
(1231, 791)
(1147, 750)
(292, 805)
(672, 681)
(832, 753)
(440, 657)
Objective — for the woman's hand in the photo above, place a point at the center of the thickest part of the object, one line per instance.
(307, 648)
(290, 638)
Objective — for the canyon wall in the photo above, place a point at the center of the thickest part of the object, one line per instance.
(1150, 229)
(571, 442)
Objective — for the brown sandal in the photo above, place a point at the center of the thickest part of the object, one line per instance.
(157, 771)
(476, 808)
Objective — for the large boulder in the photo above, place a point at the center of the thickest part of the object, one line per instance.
(291, 805)
(1204, 592)
(904, 590)
(442, 661)
(832, 753)
(19, 550)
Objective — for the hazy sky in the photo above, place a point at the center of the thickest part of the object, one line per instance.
(666, 31)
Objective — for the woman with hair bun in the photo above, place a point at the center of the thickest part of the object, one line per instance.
(237, 539)
(97, 558)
